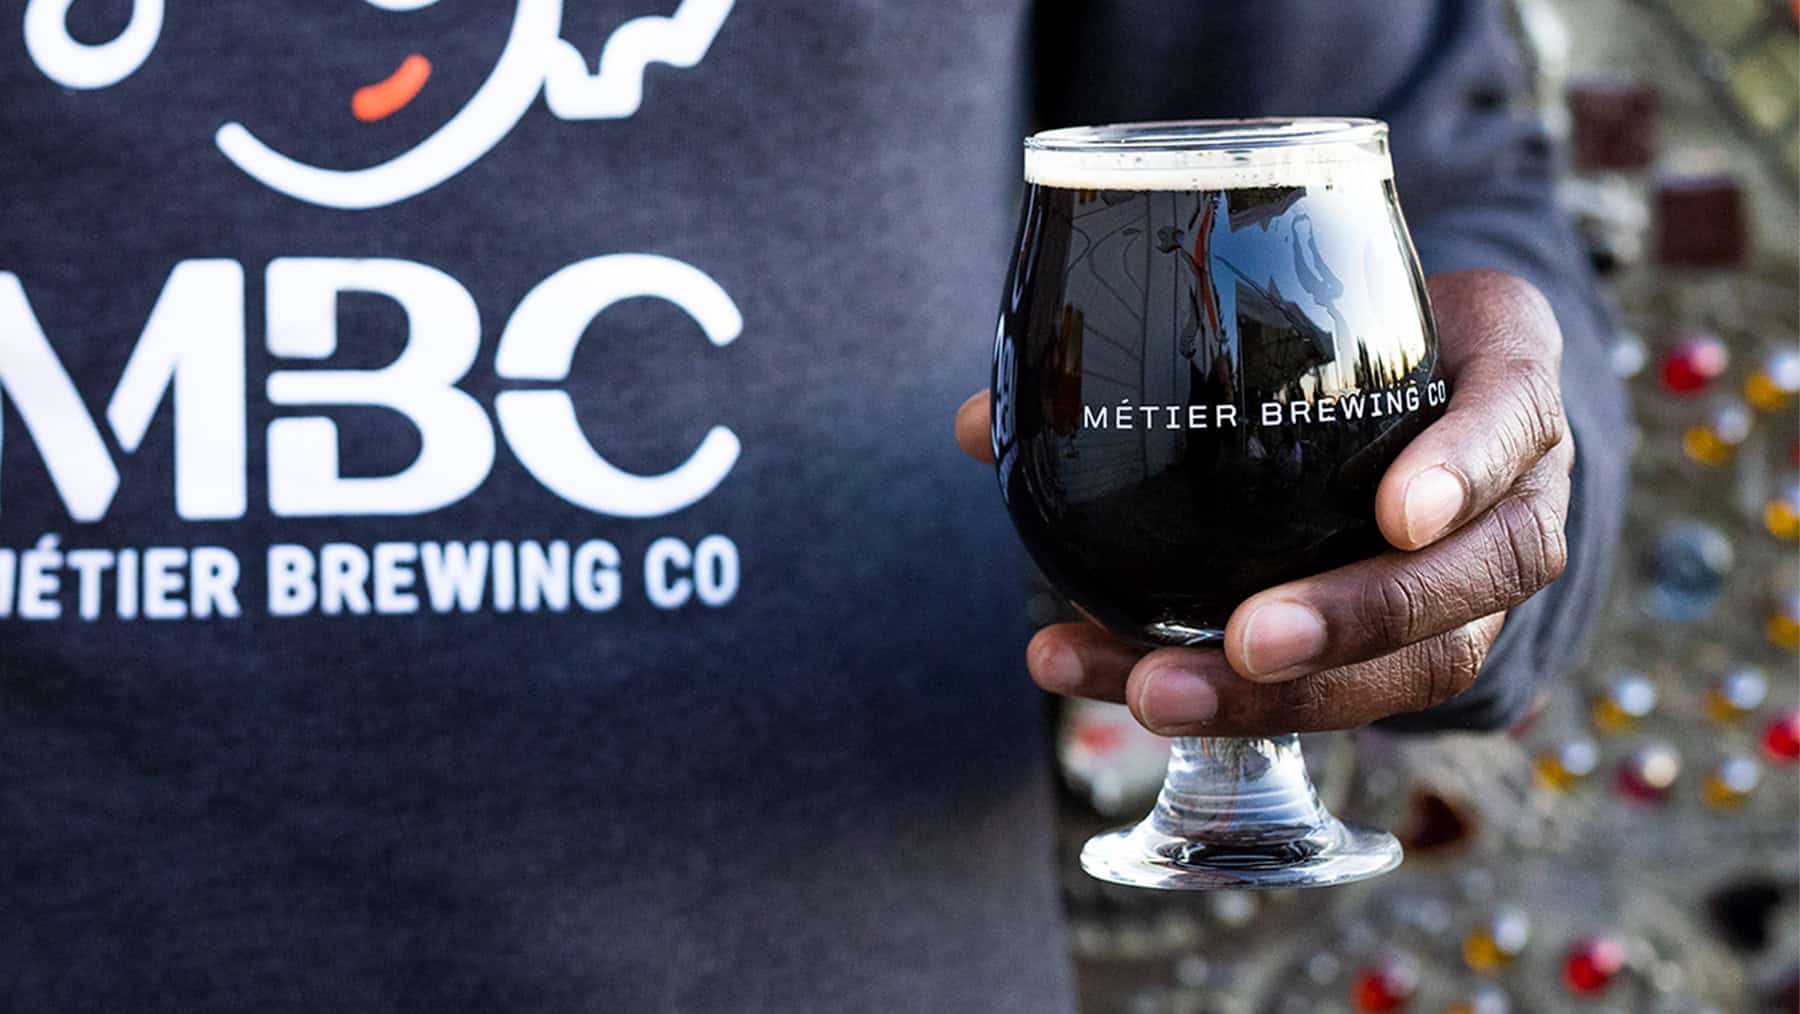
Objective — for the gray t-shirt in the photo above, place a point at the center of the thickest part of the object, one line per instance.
(478, 523)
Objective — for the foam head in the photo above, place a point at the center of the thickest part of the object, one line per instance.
(1210, 155)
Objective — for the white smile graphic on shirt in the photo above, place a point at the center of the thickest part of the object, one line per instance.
(535, 59)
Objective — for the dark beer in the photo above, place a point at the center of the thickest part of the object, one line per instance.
(1201, 376)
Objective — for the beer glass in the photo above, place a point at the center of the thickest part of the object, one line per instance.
(1214, 339)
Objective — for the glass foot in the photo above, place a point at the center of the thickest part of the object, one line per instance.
(1333, 853)
(1238, 813)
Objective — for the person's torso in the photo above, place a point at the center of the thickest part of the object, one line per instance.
(478, 522)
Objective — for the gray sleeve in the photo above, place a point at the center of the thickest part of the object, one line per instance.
(1475, 172)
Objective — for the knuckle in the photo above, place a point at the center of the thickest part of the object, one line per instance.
(1538, 423)
(1529, 313)
(1394, 607)
(1552, 536)
(1467, 647)
(1534, 547)
(1451, 666)
(1565, 453)
(1302, 705)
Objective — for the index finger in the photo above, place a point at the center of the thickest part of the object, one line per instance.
(972, 428)
(1503, 350)
(1375, 606)
(1189, 692)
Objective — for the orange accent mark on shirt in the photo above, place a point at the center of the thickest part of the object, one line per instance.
(385, 98)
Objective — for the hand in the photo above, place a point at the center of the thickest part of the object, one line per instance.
(1475, 508)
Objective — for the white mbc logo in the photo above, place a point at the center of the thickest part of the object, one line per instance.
(193, 347)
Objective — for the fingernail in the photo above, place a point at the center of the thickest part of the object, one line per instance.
(1433, 499)
(1173, 697)
(1280, 635)
(1058, 668)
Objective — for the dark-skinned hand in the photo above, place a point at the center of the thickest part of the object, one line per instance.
(1475, 510)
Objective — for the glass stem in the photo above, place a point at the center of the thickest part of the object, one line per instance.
(1241, 793)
